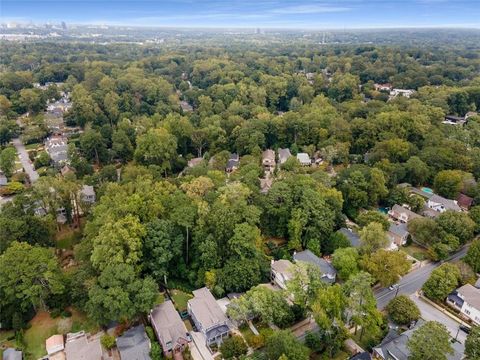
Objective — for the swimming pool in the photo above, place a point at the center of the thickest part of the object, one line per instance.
(427, 190)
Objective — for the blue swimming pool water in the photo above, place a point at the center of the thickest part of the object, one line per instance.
(427, 190)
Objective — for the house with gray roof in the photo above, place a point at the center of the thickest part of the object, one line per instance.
(12, 354)
(57, 148)
(394, 346)
(208, 317)
(329, 273)
(397, 234)
(169, 328)
(281, 272)
(402, 214)
(87, 194)
(134, 344)
(283, 155)
(352, 237)
(441, 204)
(233, 163)
(466, 299)
(268, 160)
(82, 346)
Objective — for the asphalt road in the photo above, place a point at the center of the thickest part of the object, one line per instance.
(430, 313)
(413, 281)
(25, 160)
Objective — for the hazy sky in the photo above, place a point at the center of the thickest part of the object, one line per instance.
(249, 13)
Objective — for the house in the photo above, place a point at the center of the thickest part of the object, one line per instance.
(194, 162)
(268, 160)
(465, 202)
(81, 346)
(383, 87)
(66, 169)
(283, 155)
(87, 194)
(454, 120)
(265, 184)
(57, 148)
(440, 204)
(394, 346)
(329, 273)
(281, 272)
(54, 344)
(3, 179)
(186, 107)
(397, 235)
(134, 344)
(169, 328)
(402, 214)
(208, 317)
(361, 356)
(232, 163)
(401, 92)
(352, 237)
(12, 354)
(466, 299)
(317, 158)
(304, 159)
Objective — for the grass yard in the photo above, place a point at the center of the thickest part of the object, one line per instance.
(33, 146)
(7, 339)
(416, 251)
(43, 326)
(180, 299)
(160, 298)
(341, 355)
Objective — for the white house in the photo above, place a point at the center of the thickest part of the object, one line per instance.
(401, 92)
(440, 204)
(466, 299)
(304, 159)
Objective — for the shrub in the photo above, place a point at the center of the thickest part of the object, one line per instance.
(107, 341)
(233, 347)
(255, 341)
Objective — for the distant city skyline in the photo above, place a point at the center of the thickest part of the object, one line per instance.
(309, 14)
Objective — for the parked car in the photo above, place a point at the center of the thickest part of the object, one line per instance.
(465, 329)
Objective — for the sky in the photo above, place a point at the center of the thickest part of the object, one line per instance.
(306, 14)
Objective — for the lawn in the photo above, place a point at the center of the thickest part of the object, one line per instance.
(33, 146)
(7, 339)
(160, 298)
(416, 251)
(43, 326)
(341, 355)
(180, 299)
(67, 238)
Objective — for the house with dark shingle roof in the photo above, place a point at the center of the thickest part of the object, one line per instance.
(398, 234)
(169, 328)
(441, 204)
(464, 201)
(329, 273)
(352, 237)
(134, 344)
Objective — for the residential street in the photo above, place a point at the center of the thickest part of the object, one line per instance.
(25, 160)
(413, 281)
(430, 313)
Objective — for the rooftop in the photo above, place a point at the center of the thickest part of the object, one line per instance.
(167, 323)
(351, 236)
(309, 257)
(205, 308)
(81, 347)
(134, 344)
(470, 294)
(447, 203)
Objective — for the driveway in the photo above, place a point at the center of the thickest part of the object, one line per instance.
(25, 160)
(413, 281)
(430, 313)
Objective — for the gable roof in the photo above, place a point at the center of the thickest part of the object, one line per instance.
(54, 343)
(470, 294)
(304, 158)
(134, 344)
(205, 308)
(283, 155)
(79, 347)
(167, 323)
(351, 236)
(309, 257)
(268, 155)
(447, 203)
(400, 229)
(282, 266)
(402, 210)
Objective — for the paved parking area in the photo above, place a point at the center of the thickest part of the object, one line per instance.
(431, 313)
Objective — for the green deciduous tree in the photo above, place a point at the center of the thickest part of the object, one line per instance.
(430, 342)
(402, 310)
(473, 256)
(7, 161)
(472, 344)
(386, 266)
(345, 260)
(156, 147)
(284, 343)
(233, 347)
(119, 295)
(370, 216)
(442, 282)
(372, 238)
(448, 183)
